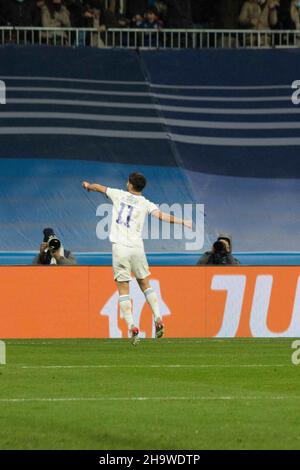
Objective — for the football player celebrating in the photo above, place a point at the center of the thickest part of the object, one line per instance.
(129, 211)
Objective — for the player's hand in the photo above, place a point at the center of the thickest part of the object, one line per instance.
(188, 223)
(85, 185)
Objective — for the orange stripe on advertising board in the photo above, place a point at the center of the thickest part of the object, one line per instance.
(82, 302)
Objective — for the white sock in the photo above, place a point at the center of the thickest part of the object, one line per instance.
(152, 300)
(126, 310)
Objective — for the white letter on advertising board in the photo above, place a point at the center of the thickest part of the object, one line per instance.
(235, 286)
(260, 308)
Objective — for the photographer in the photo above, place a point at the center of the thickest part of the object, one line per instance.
(52, 251)
(220, 253)
(295, 13)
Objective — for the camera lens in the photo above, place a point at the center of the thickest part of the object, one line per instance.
(54, 244)
(219, 247)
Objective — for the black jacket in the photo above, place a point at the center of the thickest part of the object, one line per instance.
(67, 260)
(211, 258)
(21, 14)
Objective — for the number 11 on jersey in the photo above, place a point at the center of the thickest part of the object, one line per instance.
(123, 217)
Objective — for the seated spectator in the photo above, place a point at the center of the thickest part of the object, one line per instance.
(20, 13)
(93, 14)
(112, 20)
(92, 18)
(55, 15)
(76, 9)
(151, 20)
(259, 14)
(221, 253)
(136, 9)
(295, 13)
(137, 20)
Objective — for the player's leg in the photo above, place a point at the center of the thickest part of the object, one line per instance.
(152, 299)
(122, 276)
(125, 303)
(126, 309)
(140, 268)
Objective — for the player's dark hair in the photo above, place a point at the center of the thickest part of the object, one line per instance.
(138, 181)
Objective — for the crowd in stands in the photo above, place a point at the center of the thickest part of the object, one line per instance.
(56, 13)
(152, 14)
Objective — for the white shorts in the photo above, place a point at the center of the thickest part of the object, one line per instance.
(127, 260)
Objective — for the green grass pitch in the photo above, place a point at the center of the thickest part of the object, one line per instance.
(167, 394)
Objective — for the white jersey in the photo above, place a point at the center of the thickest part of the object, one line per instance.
(129, 212)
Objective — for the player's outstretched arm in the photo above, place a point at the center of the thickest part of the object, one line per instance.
(172, 219)
(94, 187)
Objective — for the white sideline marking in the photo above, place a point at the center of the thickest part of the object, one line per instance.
(106, 399)
(110, 341)
(151, 366)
